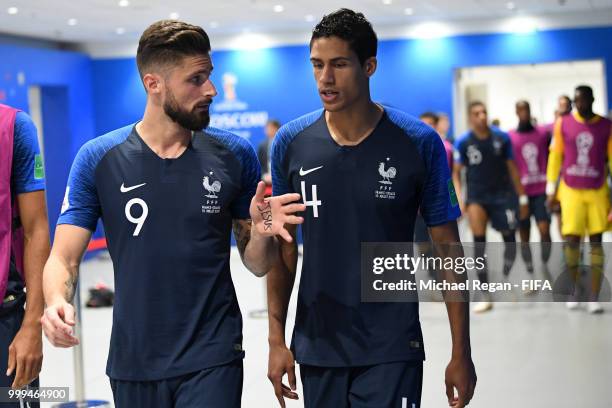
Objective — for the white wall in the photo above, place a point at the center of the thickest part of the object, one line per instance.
(35, 112)
(539, 84)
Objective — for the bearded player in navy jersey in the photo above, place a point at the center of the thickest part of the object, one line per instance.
(363, 171)
(168, 193)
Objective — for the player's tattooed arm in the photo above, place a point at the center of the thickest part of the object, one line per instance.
(270, 219)
(60, 277)
(242, 233)
(256, 251)
(70, 287)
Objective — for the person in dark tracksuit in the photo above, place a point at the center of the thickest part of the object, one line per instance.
(494, 189)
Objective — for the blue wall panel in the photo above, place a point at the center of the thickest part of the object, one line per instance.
(21, 67)
(413, 75)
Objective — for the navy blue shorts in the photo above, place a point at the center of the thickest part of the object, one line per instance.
(502, 211)
(216, 387)
(10, 323)
(390, 385)
(537, 210)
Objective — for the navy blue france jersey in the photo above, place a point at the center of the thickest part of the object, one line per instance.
(365, 193)
(168, 226)
(485, 162)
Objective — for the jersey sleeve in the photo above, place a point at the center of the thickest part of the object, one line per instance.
(28, 172)
(555, 158)
(610, 151)
(81, 206)
(439, 204)
(459, 151)
(251, 174)
(557, 138)
(280, 182)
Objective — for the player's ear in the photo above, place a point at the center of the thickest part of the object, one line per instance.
(152, 83)
(369, 66)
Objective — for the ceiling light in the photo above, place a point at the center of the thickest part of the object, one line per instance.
(387, 2)
(408, 11)
(309, 18)
(12, 10)
(214, 24)
(510, 5)
(523, 25)
(120, 30)
(174, 16)
(251, 42)
(279, 8)
(124, 3)
(430, 30)
(72, 21)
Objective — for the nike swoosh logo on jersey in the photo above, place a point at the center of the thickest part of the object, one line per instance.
(125, 189)
(305, 172)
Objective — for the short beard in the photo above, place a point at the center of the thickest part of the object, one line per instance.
(188, 120)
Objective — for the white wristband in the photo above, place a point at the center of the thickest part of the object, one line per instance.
(551, 188)
(523, 199)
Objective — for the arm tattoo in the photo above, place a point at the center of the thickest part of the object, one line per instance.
(70, 285)
(242, 233)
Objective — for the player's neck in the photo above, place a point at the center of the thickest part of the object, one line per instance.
(482, 133)
(525, 126)
(165, 137)
(587, 115)
(351, 126)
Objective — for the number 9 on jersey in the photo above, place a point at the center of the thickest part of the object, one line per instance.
(140, 220)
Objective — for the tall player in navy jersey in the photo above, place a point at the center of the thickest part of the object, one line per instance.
(363, 171)
(494, 189)
(168, 193)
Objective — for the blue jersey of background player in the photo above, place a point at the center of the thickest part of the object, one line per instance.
(485, 160)
(494, 190)
(363, 171)
(20, 330)
(168, 194)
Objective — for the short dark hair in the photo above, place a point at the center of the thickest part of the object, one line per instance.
(474, 104)
(167, 41)
(567, 99)
(523, 102)
(585, 89)
(274, 122)
(351, 27)
(430, 115)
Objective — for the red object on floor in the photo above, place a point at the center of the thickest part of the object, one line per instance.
(96, 244)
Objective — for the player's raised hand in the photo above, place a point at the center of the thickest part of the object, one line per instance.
(269, 215)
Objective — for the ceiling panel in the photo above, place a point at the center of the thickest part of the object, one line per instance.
(98, 20)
